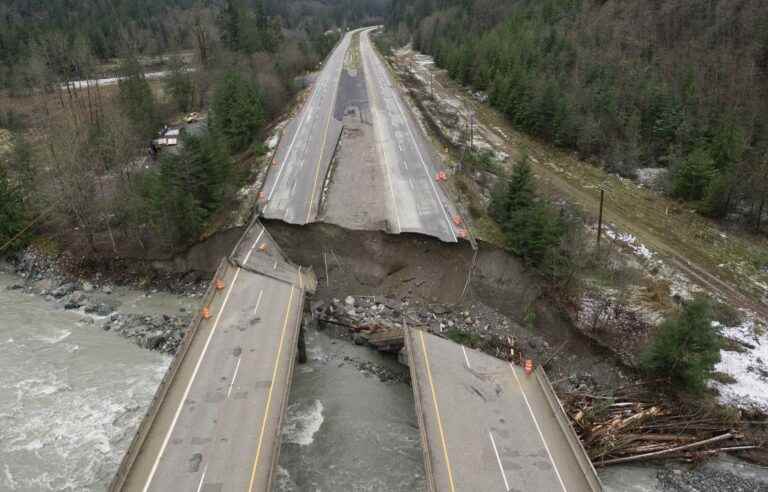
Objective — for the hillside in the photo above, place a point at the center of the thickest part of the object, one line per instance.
(629, 85)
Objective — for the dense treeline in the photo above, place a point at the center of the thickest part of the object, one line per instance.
(46, 32)
(79, 152)
(679, 84)
(35, 33)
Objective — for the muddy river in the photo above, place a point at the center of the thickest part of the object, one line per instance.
(71, 396)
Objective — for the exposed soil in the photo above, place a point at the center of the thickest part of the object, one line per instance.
(430, 276)
(725, 263)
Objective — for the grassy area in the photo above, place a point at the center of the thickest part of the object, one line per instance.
(664, 225)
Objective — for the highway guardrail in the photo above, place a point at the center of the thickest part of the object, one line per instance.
(162, 390)
(573, 440)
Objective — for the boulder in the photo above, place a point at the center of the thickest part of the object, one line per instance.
(155, 340)
(87, 286)
(100, 309)
(64, 289)
(349, 301)
(77, 297)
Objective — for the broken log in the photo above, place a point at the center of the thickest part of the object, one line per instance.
(675, 449)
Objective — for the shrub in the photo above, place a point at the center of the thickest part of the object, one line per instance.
(11, 209)
(693, 175)
(237, 111)
(533, 230)
(686, 348)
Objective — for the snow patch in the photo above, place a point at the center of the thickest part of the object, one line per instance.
(272, 142)
(749, 368)
(631, 242)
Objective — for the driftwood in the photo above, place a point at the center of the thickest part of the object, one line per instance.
(657, 454)
(633, 423)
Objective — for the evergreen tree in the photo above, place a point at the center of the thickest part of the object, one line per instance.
(532, 229)
(237, 111)
(686, 348)
(188, 188)
(137, 101)
(516, 194)
(693, 174)
(11, 209)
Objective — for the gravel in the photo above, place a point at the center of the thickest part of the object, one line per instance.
(707, 480)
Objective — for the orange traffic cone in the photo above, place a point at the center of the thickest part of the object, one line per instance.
(219, 284)
(206, 313)
(528, 366)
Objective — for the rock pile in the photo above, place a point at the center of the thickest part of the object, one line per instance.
(369, 320)
(158, 332)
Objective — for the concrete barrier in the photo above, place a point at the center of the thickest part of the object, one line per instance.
(431, 486)
(573, 440)
(146, 424)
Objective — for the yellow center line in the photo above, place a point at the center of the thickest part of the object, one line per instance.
(437, 412)
(269, 395)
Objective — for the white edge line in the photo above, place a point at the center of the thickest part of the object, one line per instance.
(202, 479)
(421, 157)
(498, 460)
(466, 359)
(248, 256)
(234, 376)
(536, 423)
(301, 123)
(258, 301)
(189, 385)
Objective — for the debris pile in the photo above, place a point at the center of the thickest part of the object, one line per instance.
(154, 332)
(378, 322)
(631, 425)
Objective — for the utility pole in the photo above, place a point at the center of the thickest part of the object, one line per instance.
(471, 131)
(431, 82)
(600, 217)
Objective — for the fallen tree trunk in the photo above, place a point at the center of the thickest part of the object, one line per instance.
(666, 451)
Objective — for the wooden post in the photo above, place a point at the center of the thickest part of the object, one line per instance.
(600, 217)
(471, 132)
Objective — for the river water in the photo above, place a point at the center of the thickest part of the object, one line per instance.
(345, 429)
(72, 395)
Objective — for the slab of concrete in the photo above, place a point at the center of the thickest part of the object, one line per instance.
(486, 425)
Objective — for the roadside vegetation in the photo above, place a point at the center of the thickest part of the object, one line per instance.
(75, 155)
(637, 292)
(686, 348)
(533, 229)
(678, 85)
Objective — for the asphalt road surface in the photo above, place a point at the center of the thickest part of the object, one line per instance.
(293, 188)
(218, 429)
(488, 426)
(416, 202)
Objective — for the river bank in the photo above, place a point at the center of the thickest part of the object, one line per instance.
(111, 302)
(71, 395)
(72, 391)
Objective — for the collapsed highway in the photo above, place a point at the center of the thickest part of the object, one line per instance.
(215, 422)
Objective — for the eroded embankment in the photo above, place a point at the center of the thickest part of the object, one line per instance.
(421, 268)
